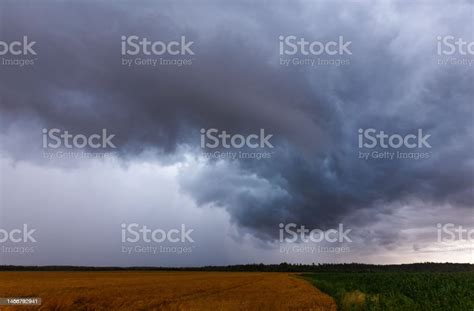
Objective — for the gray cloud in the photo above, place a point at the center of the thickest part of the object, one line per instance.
(393, 83)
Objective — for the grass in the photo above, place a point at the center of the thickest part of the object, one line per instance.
(411, 291)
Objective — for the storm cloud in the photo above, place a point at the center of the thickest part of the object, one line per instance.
(394, 82)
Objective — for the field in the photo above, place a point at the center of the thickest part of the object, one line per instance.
(185, 290)
(151, 290)
(398, 290)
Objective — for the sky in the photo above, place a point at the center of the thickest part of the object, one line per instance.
(346, 132)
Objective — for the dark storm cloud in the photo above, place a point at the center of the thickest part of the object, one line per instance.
(393, 83)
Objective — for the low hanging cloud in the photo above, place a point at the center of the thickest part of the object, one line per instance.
(394, 83)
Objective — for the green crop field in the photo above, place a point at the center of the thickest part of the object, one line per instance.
(412, 291)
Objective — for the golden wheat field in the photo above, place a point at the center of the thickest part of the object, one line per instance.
(150, 290)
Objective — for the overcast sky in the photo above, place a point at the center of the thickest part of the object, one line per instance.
(393, 78)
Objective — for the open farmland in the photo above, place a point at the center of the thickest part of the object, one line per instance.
(413, 291)
(151, 290)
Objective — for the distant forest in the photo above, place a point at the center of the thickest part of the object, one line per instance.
(282, 267)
